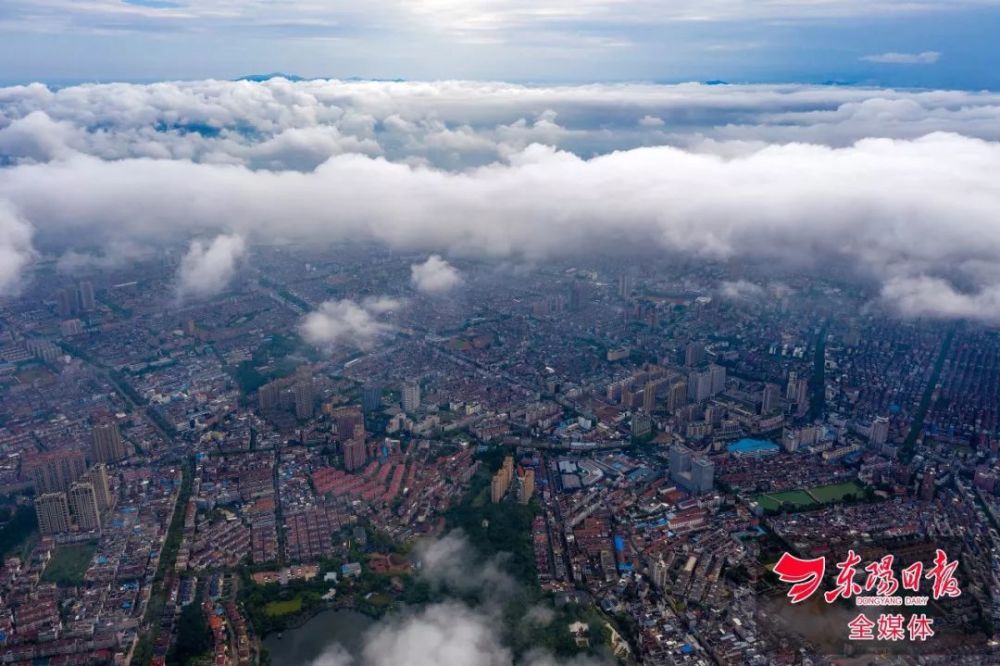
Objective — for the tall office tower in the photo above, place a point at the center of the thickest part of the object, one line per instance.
(371, 397)
(83, 504)
(411, 396)
(717, 373)
(880, 430)
(67, 303)
(497, 488)
(54, 471)
(927, 487)
(642, 424)
(52, 510)
(659, 573)
(679, 459)
(702, 475)
(575, 296)
(694, 354)
(694, 474)
(677, 395)
(347, 419)
(700, 385)
(98, 476)
(107, 445)
(527, 486)
(802, 394)
(792, 386)
(771, 401)
(627, 397)
(355, 454)
(649, 396)
(304, 396)
(625, 286)
(501, 480)
(790, 440)
(87, 301)
(268, 396)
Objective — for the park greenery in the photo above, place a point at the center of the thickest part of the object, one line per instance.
(19, 526)
(270, 361)
(809, 498)
(194, 637)
(69, 563)
(500, 533)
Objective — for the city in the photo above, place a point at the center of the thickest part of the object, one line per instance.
(499, 333)
(651, 440)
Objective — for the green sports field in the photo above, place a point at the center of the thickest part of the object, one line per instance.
(829, 494)
(797, 498)
(836, 492)
(287, 607)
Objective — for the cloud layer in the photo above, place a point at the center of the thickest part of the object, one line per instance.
(893, 58)
(283, 125)
(770, 173)
(15, 249)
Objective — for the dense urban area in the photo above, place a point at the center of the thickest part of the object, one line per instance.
(635, 443)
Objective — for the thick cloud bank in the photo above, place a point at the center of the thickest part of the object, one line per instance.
(782, 173)
(15, 249)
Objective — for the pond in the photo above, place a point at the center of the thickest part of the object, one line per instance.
(303, 645)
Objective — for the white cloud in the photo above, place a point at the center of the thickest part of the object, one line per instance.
(382, 304)
(740, 290)
(207, 268)
(434, 276)
(447, 633)
(745, 290)
(347, 323)
(452, 564)
(16, 250)
(892, 58)
(450, 632)
(925, 296)
(116, 254)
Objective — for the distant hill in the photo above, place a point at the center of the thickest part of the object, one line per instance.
(258, 78)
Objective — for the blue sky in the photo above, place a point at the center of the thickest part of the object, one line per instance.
(923, 43)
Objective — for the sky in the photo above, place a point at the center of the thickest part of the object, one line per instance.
(925, 43)
(895, 188)
(510, 130)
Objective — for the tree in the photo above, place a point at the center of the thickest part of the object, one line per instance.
(194, 638)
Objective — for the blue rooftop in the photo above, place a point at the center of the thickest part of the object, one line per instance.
(752, 446)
